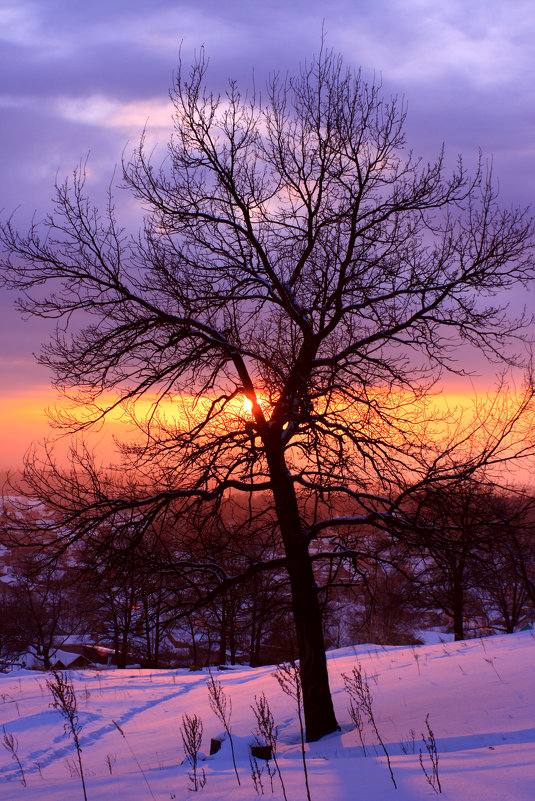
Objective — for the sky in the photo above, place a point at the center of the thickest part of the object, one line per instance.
(79, 78)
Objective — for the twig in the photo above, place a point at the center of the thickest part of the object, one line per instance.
(11, 744)
(64, 699)
(223, 710)
(191, 732)
(431, 746)
(123, 735)
(289, 677)
(359, 692)
(268, 732)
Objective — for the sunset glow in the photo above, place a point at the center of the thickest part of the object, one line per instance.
(24, 420)
(450, 62)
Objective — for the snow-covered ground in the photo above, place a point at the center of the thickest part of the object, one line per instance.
(479, 695)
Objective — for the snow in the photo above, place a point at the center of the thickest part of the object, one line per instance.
(479, 695)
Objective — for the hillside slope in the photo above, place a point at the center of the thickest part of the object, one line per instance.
(479, 695)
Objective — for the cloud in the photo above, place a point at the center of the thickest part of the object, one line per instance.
(109, 113)
(22, 25)
(421, 41)
(101, 111)
(19, 24)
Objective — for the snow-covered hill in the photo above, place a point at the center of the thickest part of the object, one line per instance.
(479, 695)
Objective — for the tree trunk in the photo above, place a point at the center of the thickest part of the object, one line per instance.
(232, 633)
(252, 627)
(223, 633)
(47, 664)
(458, 612)
(317, 701)
(116, 648)
(157, 642)
(149, 659)
(123, 652)
(193, 649)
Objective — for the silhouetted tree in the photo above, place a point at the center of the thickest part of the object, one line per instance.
(455, 533)
(13, 643)
(47, 605)
(508, 582)
(294, 255)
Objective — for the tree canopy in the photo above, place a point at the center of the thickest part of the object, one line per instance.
(296, 255)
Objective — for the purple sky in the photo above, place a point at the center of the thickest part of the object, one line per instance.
(85, 77)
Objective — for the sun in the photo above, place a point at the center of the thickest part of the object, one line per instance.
(247, 405)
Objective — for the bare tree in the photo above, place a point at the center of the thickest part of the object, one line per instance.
(46, 603)
(295, 257)
(473, 546)
(509, 584)
(454, 532)
(12, 643)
